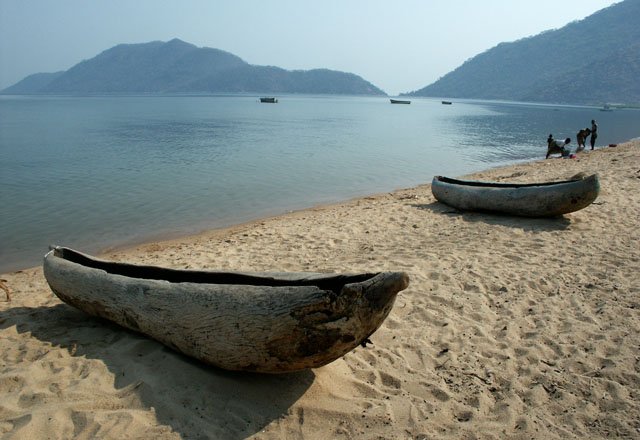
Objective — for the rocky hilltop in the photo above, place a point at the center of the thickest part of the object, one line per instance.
(591, 61)
(179, 67)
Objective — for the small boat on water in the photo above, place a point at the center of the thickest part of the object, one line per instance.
(267, 322)
(547, 199)
(269, 100)
(399, 101)
(606, 108)
(447, 102)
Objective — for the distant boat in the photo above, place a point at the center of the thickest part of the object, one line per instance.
(269, 100)
(399, 101)
(606, 108)
(447, 102)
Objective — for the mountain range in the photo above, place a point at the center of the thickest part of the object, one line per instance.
(179, 67)
(592, 61)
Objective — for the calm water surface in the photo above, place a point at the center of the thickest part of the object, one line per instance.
(95, 172)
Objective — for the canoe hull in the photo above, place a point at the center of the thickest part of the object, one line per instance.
(278, 322)
(528, 200)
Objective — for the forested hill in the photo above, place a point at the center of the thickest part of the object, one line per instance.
(592, 61)
(180, 67)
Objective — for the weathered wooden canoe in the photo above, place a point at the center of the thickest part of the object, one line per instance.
(264, 322)
(523, 199)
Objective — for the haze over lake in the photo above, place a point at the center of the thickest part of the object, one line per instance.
(95, 172)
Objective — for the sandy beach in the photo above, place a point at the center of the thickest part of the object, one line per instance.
(510, 328)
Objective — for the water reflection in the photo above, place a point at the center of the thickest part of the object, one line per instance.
(92, 172)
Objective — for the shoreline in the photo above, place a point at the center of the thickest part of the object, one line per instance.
(193, 231)
(123, 206)
(166, 237)
(134, 245)
(210, 233)
(510, 327)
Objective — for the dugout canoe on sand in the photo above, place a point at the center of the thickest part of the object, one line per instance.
(546, 199)
(264, 321)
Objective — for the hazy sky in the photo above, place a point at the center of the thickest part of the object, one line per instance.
(398, 45)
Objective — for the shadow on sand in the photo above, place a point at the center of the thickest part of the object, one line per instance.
(559, 223)
(194, 399)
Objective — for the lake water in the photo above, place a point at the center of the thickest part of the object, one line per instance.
(96, 172)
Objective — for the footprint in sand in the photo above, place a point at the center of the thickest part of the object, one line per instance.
(390, 381)
(440, 394)
(11, 384)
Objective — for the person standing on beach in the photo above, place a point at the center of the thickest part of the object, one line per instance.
(594, 133)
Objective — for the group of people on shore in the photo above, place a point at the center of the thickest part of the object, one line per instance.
(558, 146)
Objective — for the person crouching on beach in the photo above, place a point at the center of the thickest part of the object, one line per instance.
(559, 147)
(581, 137)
